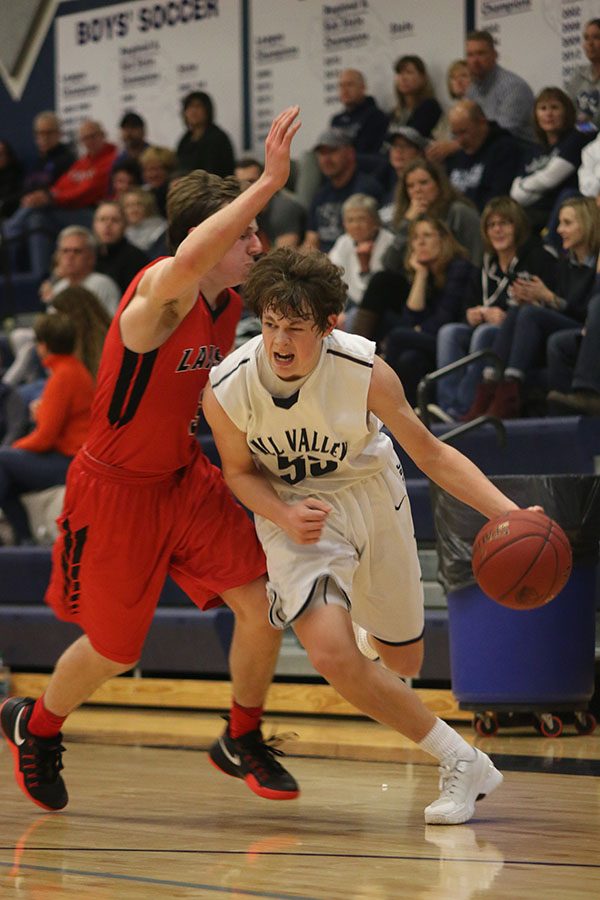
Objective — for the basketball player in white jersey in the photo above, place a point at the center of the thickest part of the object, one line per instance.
(296, 414)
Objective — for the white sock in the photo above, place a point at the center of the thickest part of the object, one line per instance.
(443, 741)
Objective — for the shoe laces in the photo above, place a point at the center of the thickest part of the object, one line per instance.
(260, 754)
(41, 762)
(450, 775)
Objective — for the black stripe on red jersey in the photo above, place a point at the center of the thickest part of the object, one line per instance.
(132, 381)
(223, 301)
(71, 563)
(225, 377)
(361, 362)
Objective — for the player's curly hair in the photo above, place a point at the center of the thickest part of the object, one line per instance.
(297, 286)
(193, 198)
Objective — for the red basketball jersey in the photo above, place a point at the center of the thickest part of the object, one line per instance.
(147, 405)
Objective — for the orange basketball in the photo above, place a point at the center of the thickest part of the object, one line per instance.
(521, 559)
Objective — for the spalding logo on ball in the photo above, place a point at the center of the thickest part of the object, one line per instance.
(521, 559)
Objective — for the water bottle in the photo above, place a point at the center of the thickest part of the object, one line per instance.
(4, 680)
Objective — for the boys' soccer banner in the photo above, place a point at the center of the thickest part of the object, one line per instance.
(145, 56)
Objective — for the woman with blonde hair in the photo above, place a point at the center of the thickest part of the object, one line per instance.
(145, 227)
(458, 79)
(158, 167)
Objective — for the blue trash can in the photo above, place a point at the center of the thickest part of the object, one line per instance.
(542, 657)
(542, 660)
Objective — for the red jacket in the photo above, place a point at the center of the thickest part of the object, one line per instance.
(86, 183)
(63, 415)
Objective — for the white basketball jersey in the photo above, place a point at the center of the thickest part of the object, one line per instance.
(321, 438)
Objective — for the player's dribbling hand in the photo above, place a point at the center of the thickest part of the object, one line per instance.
(305, 520)
(277, 145)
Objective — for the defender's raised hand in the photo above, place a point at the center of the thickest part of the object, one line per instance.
(277, 146)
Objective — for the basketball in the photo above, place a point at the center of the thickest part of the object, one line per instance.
(521, 559)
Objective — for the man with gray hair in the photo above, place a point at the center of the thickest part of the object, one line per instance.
(359, 250)
(76, 255)
(76, 260)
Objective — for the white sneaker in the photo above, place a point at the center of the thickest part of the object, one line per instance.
(361, 636)
(462, 782)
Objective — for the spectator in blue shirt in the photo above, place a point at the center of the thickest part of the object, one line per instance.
(489, 156)
(361, 118)
(336, 158)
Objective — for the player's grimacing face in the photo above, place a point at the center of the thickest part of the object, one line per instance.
(293, 346)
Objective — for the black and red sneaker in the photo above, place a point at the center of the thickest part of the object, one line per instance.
(252, 759)
(38, 761)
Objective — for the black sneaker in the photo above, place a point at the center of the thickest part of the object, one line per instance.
(38, 760)
(252, 759)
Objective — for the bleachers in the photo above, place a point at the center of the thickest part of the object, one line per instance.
(182, 640)
(19, 295)
(549, 446)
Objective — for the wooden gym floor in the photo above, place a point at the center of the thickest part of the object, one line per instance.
(150, 818)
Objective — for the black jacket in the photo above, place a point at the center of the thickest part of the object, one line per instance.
(120, 261)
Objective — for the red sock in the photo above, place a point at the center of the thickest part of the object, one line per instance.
(243, 719)
(43, 723)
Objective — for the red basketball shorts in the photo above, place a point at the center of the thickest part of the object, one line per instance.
(121, 535)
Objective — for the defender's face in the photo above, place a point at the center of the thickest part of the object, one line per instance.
(293, 346)
(234, 267)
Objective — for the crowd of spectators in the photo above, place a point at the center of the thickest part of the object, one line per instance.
(462, 223)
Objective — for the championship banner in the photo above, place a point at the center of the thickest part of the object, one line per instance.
(299, 47)
(145, 57)
(538, 39)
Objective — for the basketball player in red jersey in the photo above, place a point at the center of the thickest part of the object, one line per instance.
(142, 501)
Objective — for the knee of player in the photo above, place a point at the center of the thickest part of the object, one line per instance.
(404, 661)
(328, 659)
